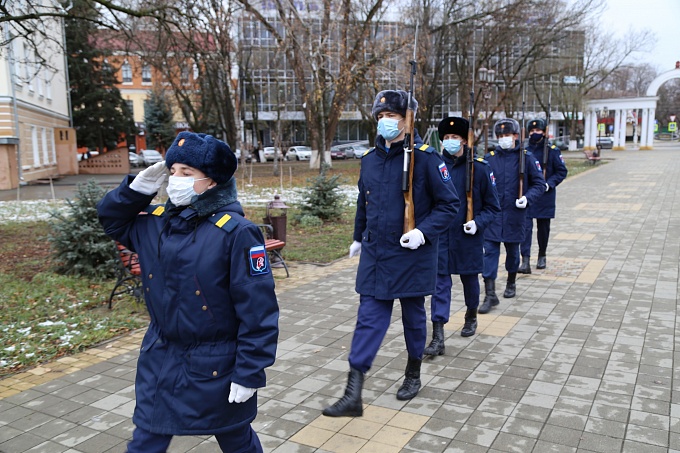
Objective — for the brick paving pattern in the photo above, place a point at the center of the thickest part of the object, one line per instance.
(582, 360)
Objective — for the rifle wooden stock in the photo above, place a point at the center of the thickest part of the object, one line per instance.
(470, 163)
(407, 175)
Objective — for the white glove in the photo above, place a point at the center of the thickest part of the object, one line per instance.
(521, 202)
(470, 227)
(413, 239)
(150, 180)
(239, 393)
(355, 249)
(547, 187)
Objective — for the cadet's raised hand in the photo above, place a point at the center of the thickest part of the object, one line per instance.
(355, 249)
(413, 239)
(521, 202)
(470, 227)
(239, 393)
(150, 180)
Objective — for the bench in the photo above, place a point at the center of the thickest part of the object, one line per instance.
(129, 282)
(273, 246)
(593, 156)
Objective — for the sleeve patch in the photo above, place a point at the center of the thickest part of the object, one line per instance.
(561, 158)
(493, 178)
(538, 165)
(444, 172)
(258, 262)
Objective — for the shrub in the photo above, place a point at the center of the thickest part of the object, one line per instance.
(322, 198)
(310, 221)
(79, 245)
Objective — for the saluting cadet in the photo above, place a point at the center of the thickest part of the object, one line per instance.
(508, 227)
(461, 245)
(544, 208)
(393, 264)
(210, 295)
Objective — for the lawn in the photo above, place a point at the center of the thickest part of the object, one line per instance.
(45, 315)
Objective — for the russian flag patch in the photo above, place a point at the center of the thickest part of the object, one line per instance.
(257, 256)
(444, 172)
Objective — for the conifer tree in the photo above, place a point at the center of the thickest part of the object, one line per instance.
(158, 117)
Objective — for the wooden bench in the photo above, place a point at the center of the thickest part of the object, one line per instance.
(273, 246)
(593, 156)
(129, 281)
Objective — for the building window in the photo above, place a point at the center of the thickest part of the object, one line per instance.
(146, 73)
(131, 106)
(45, 149)
(48, 89)
(36, 147)
(195, 71)
(126, 72)
(50, 143)
(184, 77)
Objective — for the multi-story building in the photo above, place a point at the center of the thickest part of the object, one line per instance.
(36, 137)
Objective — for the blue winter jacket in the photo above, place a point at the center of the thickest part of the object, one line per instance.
(214, 314)
(461, 253)
(386, 269)
(509, 225)
(556, 172)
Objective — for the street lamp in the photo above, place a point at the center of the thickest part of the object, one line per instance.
(486, 77)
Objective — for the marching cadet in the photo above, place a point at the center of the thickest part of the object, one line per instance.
(210, 295)
(393, 264)
(544, 208)
(461, 248)
(508, 227)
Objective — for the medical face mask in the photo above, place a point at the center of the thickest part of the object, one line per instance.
(506, 142)
(535, 138)
(451, 146)
(181, 189)
(388, 128)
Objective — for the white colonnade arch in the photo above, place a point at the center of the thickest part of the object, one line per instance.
(623, 108)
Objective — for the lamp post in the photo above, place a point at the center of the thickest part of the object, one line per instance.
(486, 78)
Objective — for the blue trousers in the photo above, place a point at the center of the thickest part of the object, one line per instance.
(373, 320)
(542, 235)
(243, 440)
(440, 304)
(492, 253)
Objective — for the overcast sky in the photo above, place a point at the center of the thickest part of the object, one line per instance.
(660, 16)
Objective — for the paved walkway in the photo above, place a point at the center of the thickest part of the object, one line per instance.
(581, 360)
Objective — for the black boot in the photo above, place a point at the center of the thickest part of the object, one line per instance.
(470, 326)
(541, 262)
(510, 286)
(525, 267)
(350, 404)
(436, 346)
(409, 389)
(490, 298)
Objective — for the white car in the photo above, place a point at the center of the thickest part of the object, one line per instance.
(269, 153)
(299, 153)
(150, 156)
(135, 159)
(356, 150)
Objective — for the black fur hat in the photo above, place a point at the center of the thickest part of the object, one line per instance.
(203, 152)
(394, 101)
(536, 124)
(453, 125)
(506, 126)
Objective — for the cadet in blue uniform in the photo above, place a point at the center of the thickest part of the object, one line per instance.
(508, 227)
(544, 208)
(210, 295)
(393, 264)
(461, 246)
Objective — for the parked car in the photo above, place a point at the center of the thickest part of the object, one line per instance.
(135, 159)
(352, 150)
(269, 153)
(151, 156)
(605, 142)
(561, 144)
(299, 153)
(491, 145)
(338, 152)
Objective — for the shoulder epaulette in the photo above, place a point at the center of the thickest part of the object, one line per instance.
(224, 221)
(553, 146)
(426, 148)
(493, 153)
(155, 210)
(368, 150)
(481, 159)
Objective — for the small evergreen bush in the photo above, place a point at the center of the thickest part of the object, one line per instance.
(322, 198)
(310, 221)
(79, 245)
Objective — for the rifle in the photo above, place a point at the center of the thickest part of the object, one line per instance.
(522, 157)
(546, 146)
(470, 162)
(409, 137)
